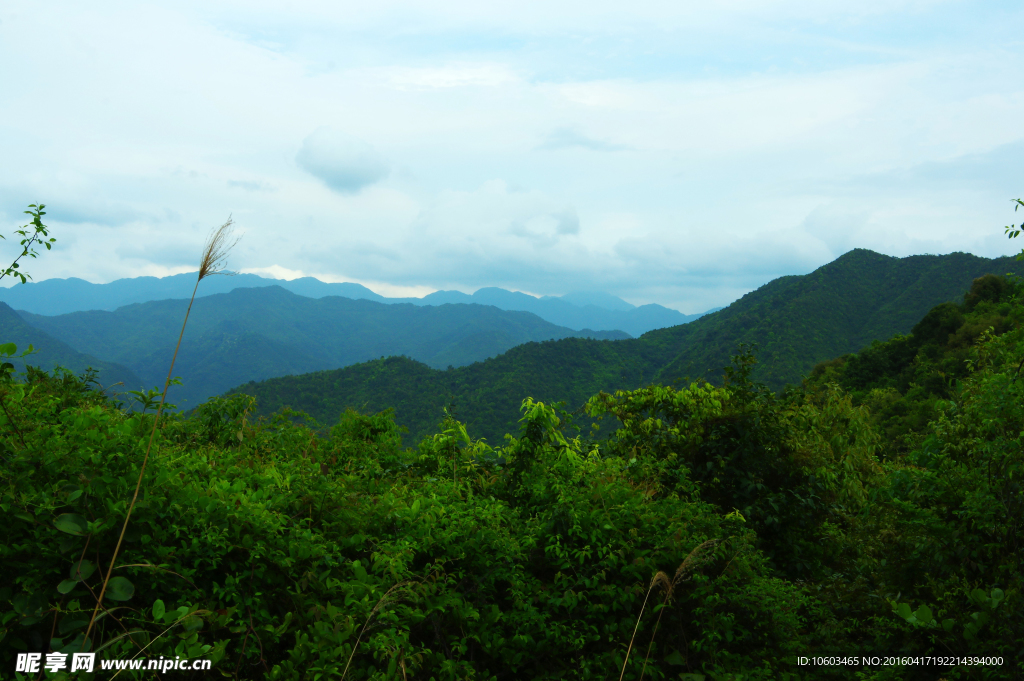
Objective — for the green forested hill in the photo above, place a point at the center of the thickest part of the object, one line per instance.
(799, 321)
(51, 352)
(258, 333)
(795, 321)
(486, 395)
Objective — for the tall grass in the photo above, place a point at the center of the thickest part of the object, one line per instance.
(694, 560)
(215, 254)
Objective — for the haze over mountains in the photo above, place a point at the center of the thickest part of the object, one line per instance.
(577, 311)
(51, 352)
(795, 321)
(257, 333)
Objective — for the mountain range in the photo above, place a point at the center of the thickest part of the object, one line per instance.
(50, 352)
(258, 333)
(577, 311)
(795, 322)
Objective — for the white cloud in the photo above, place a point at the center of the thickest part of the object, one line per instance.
(342, 162)
(458, 145)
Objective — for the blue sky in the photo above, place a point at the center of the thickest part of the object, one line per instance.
(666, 152)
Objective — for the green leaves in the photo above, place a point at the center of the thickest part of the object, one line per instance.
(120, 589)
(29, 240)
(72, 523)
(1012, 231)
(80, 571)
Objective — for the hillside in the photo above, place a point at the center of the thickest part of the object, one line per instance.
(796, 322)
(51, 352)
(576, 311)
(842, 307)
(259, 333)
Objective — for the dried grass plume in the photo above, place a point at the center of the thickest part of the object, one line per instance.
(215, 253)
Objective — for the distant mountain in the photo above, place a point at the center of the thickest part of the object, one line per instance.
(51, 352)
(61, 296)
(795, 321)
(581, 310)
(614, 313)
(258, 333)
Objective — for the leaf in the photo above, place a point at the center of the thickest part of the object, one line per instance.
(76, 646)
(192, 623)
(675, 658)
(120, 589)
(159, 609)
(72, 523)
(82, 571)
(67, 585)
(68, 624)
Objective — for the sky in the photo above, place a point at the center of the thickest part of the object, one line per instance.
(679, 153)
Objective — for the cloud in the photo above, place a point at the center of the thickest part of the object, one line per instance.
(568, 222)
(343, 163)
(457, 76)
(567, 138)
(753, 139)
(251, 185)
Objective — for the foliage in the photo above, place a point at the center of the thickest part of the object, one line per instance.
(277, 553)
(905, 379)
(1013, 231)
(29, 240)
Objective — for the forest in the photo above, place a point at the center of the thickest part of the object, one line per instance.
(862, 522)
(796, 322)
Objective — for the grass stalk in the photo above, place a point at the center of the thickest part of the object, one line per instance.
(369, 618)
(214, 254)
(693, 560)
(659, 578)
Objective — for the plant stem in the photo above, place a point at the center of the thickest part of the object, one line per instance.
(142, 471)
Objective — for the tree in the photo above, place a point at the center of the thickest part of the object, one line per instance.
(30, 238)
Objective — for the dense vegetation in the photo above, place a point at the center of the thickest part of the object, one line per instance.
(796, 322)
(906, 380)
(256, 333)
(718, 533)
(51, 353)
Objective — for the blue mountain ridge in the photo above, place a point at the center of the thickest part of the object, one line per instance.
(579, 310)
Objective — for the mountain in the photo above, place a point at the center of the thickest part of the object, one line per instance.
(840, 308)
(580, 310)
(795, 321)
(259, 333)
(62, 296)
(574, 310)
(51, 352)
